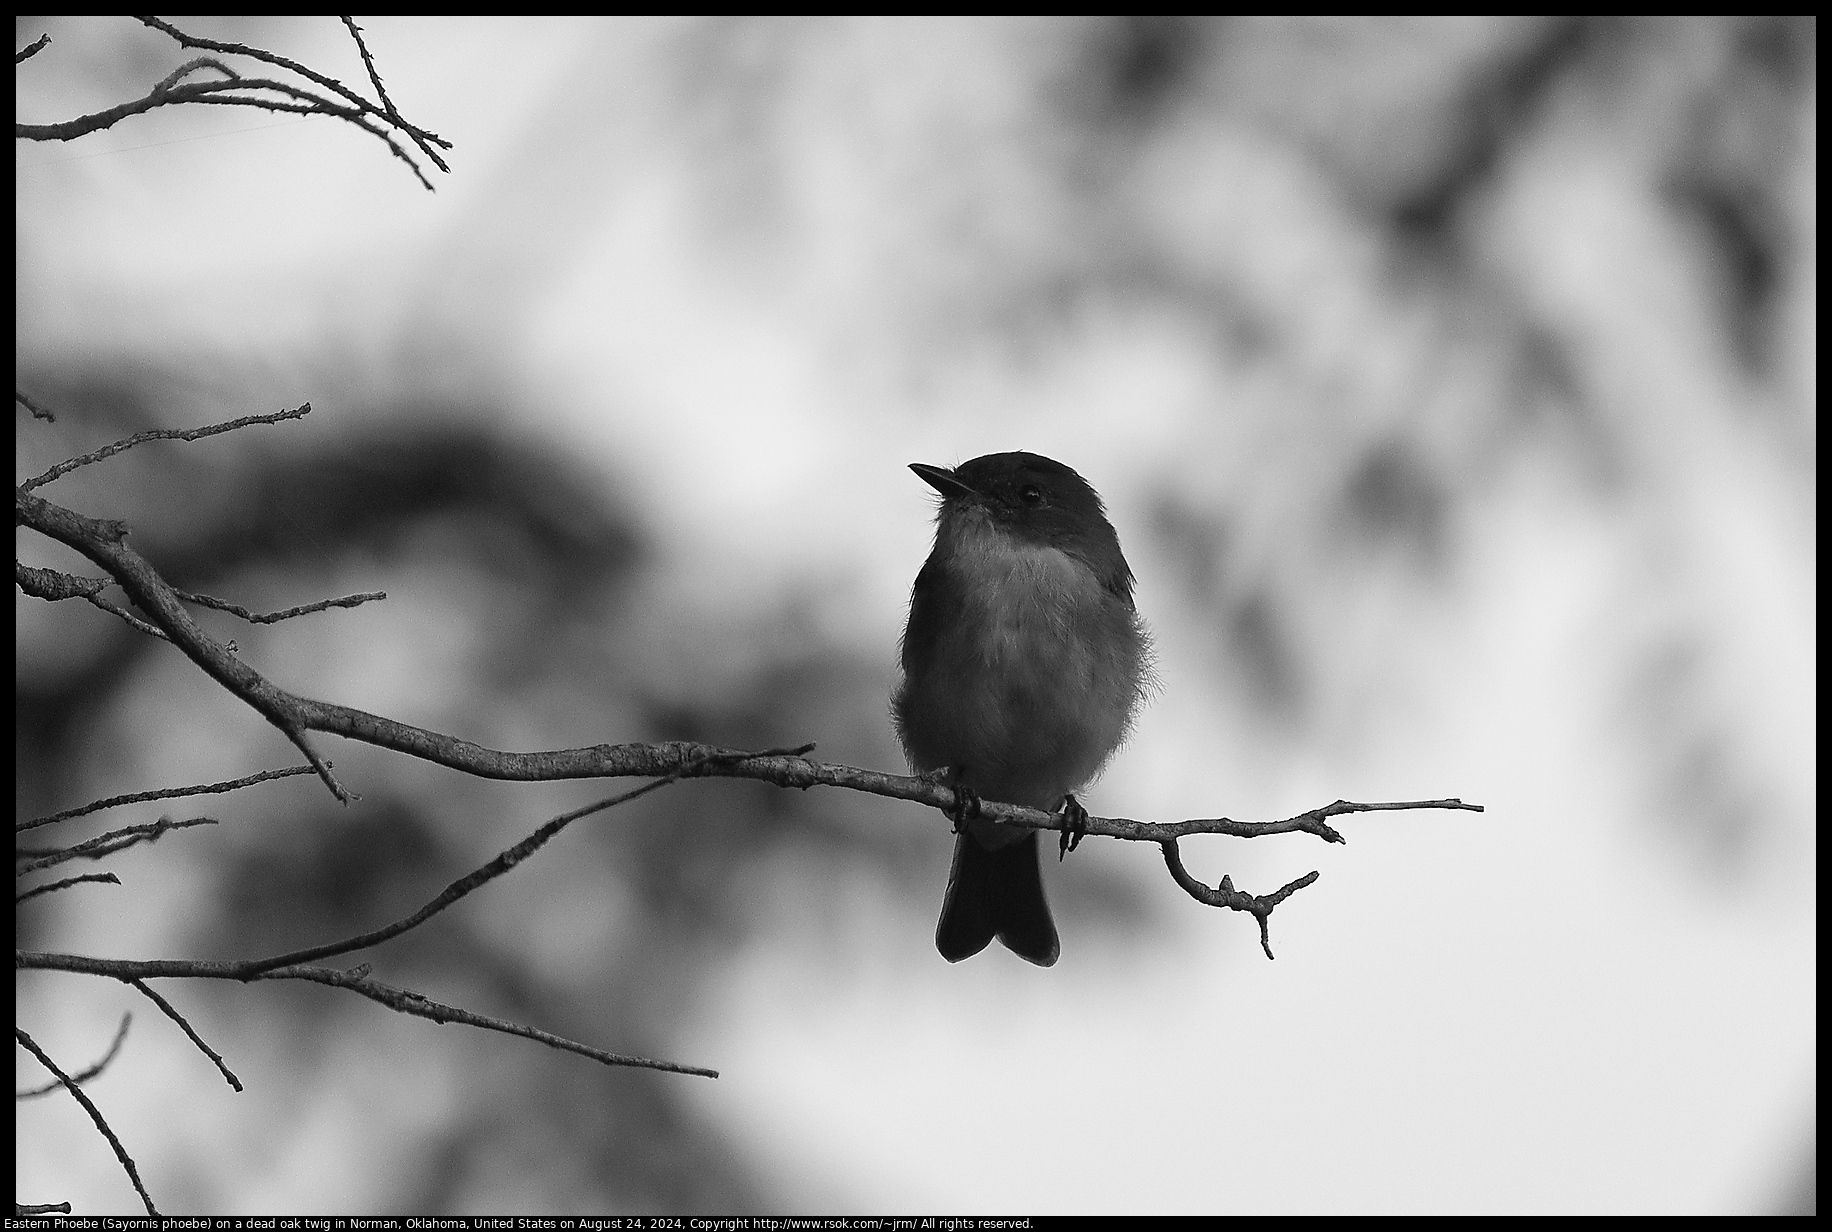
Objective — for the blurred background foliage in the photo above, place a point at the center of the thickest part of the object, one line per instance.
(1452, 385)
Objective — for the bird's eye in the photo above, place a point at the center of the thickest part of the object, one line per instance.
(1031, 494)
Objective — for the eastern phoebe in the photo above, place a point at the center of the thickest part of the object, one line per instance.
(1023, 663)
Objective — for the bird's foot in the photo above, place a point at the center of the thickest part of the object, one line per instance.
(1077, 828)
(966, 800)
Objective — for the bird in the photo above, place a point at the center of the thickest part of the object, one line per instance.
(1024, 664)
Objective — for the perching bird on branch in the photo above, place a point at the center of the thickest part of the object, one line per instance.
(1023, 663)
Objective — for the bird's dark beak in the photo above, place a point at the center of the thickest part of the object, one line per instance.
(942, 480)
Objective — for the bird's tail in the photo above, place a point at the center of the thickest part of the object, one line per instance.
(996, 894)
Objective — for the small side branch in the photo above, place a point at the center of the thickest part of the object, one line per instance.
(330, 97)
(165, 793)
(19, 395)
(65, 884)
(93, 1071)
(289, 966)
(402, 1001)
(1225, 895)
(480, 877)
(171, 1012)
(95, 1114)
(53, 587)
(355, 980)
(161, 434)
(420, 136)
(32, 859)
(257, 618)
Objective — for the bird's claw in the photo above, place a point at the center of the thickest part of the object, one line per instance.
(1075, 829)
(966, 800)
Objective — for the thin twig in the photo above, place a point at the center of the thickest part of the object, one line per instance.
(92, 1071)
(240, 91)
(288, 965)
(172, 1013)
(65, 884)
(133, 621)
(52, 586)
(171, 79)
(423, 138)
(356, 980)
(488, 872)
(292, 66)
(165, 793)
(95, 1114)
(1259, 907)
(375, 78)
(232, 91)
(161, 434)
(381, 92)
(218, 95)
(102, 845)
(19, 395)
(405, 1002)
(269, 618)
(103, 543)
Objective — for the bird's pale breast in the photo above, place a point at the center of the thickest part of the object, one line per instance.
(1034, 675)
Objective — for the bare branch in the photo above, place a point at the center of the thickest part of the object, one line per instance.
(419, 138)
(287, 965)
(102, 845)
(216, 94)
(161, 434)
(172, 1013)
(375, 78)
(413, 1003)
(50, 585)
(188, 42)
(164, 793)
(44, 41)
(19, 395)
(173, 91)
(92, 1071)
(275, 617)
(178, 74)
(103, 542)
(1311, 822)
(132, 620)
(292, 66)
(1260, 908)
(482, 876)
(239, 91)
(95, 1114)
(356, 980)
(65, 884)
(53, 586)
